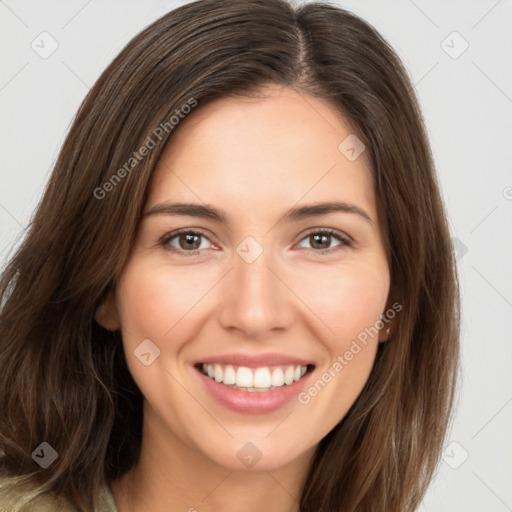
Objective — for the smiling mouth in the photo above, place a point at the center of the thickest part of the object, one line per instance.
(264, 378)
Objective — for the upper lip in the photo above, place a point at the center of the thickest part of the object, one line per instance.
(255, 360)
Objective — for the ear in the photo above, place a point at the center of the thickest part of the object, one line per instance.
(389, 323)
(386, 331)
(106, 313)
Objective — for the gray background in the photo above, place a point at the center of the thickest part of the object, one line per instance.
(466, 97)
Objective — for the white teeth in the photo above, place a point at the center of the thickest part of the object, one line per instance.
(229, 375)
(217, 372)
(255, 379)
(262, 378)
(277, 377)
(244, 377)
(288, 375)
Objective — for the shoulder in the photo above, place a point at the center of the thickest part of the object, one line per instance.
(21, 498)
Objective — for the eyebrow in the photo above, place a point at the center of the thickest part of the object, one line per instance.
(294, 215)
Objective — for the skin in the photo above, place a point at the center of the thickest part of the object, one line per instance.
(236, 155)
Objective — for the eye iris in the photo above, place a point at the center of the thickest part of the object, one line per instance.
(188, 238)
(316, 245)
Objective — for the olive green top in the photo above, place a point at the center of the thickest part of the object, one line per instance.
(10, 501)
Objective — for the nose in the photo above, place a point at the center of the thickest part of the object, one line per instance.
(256, 300)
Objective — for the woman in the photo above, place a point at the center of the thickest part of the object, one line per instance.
(180, 331)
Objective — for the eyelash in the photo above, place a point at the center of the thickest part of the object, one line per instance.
(344, 240)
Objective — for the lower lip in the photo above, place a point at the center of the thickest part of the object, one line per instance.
(252, 402)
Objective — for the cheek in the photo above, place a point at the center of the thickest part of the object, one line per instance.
(349, 302)
(346, 300)
(158, 302)
(152, 300)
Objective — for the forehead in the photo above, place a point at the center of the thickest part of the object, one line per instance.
(280, 148)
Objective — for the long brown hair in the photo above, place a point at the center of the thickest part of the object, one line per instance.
(64, 379)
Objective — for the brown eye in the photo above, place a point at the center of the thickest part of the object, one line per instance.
(189, 241)
(321, 240)
(183, 242)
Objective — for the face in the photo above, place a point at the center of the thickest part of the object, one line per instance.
(279, 309)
